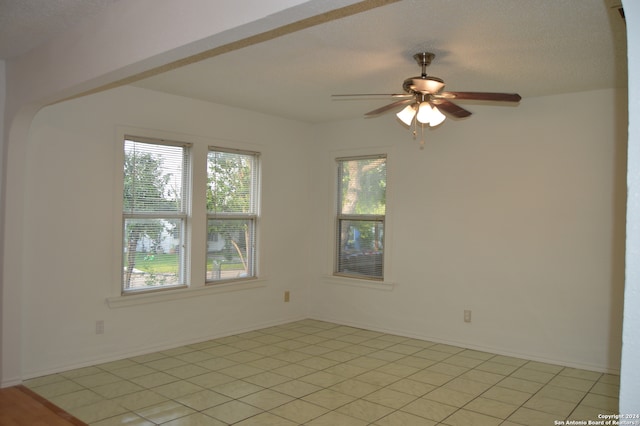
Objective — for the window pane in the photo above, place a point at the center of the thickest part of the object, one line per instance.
(231, 183)
(155, 200)
(230, 245)
(361, 247)
(232, 187)
(362, 183)
(153, 177)
(152, 253)
(362, 186)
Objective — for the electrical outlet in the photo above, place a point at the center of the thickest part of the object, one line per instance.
(467, 315)
(100, 327)
(286, 296)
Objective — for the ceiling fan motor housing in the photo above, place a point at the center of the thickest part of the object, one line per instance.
(424, 84)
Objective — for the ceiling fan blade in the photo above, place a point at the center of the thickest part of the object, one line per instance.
(482, 96)
(358, 95)
(390, 107)
(451, 108)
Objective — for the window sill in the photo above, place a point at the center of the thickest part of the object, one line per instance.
(356, 282)
(182, 293)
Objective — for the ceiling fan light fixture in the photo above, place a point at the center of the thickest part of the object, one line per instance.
(407, 114)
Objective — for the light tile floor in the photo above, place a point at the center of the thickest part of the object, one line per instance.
(317, 373)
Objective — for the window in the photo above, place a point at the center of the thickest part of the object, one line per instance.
(155, 206)
(232, 206)
(360, 220)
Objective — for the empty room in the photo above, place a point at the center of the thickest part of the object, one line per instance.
(311, 212)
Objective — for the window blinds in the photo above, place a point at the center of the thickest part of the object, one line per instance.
(155, 177)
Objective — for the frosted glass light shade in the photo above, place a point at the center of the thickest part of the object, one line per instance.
(407, 114)
(424, 113)
(437, 117)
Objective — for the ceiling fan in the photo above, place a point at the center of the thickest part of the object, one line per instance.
(424, 98)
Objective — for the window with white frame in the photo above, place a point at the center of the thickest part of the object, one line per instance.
(155, 213)
(362, 183)
(232, 213)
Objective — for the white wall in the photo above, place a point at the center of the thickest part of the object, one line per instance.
(630, 374)
(515, 213)
(523, 223)
(71, 259)
(3, 97)
(3, 93)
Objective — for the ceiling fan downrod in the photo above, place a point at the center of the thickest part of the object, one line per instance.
(424, 60)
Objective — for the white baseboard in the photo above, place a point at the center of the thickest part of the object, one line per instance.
(493, 350)
(150, 349)
(10, 382)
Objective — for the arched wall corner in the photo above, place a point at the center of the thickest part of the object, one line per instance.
(17, 129)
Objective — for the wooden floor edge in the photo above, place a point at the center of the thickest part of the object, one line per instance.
(50, 406)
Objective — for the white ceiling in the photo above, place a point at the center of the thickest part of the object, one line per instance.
(535, 48)
(25, 24)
